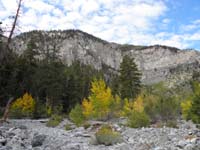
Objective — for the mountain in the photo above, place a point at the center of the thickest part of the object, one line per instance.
(157, 63)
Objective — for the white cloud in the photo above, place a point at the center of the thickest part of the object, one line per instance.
(166, 20)
(9, 5)
(38, 6)
(123, 21)
(89, 6)
(192, 26)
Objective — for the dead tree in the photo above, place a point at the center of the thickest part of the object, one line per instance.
(6, 112)
(14, 23)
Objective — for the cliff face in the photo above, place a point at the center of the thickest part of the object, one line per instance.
(157, 63)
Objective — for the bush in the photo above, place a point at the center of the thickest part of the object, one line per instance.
(138, 119)
(68, 127)
(54, 121)
(150, 107)
(116, 107)
(161, 103)
(167, 108)
(86, 125)
(40, 111)
(105, 135)
(76, 115)
(130, 106)
(171, 124)
(191, 107)
(23, 107)
(186, 109)
(161, 107)
(195, 109)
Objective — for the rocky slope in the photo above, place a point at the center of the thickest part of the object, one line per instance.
(157, 63)
(34, 135)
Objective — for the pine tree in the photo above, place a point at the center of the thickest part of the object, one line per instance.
(31, 51)
(195, 109)
(129, 79)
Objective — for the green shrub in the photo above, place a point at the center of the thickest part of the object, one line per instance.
(138, 119)
(76, 115)
(40, 111)
(16, 113)
(86, 125)
(54, 121)
(161, 103)
(171, 124)
(195, 109)
(168, 108)
(68, 127)
(162, 108)
(105, 135)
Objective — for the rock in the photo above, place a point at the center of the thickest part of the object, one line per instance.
(93, 140)
(189, 147)
(3, 141)
(181, 144)
(157, 63)
(22, 127)
(6, 148)
(38, 140)
(37, 148)
(72, 146)
(40, 137)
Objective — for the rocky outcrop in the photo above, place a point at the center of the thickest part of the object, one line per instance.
(157, 63)
(34, 135)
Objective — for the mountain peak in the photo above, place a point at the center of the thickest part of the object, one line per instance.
(156, 62)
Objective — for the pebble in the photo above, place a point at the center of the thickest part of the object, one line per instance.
(34, 135)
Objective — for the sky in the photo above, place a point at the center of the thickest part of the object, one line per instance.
(140, 22)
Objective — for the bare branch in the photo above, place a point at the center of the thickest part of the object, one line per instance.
(14, 23)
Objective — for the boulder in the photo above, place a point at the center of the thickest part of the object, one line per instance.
(38, 140)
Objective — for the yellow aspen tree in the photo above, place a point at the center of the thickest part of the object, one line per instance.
(25, 104)
(138, 104)
(100, 101)
(128, 107)
(87, 108)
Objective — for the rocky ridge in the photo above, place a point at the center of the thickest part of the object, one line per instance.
(157, 63)
(34, 135)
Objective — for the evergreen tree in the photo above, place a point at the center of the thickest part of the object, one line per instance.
(31, 51)
(195, 109)
(129, 78)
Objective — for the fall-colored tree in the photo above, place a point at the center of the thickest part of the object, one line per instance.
(186, 109)
(23, 106)
(128, 107)
(87, 108)
(99, 101)
(136, 105)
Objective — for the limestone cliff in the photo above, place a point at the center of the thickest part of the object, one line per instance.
(157, 63)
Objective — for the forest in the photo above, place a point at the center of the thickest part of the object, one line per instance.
(42, 88)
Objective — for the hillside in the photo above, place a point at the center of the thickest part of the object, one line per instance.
(157, 63)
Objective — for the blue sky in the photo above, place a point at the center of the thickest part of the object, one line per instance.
(140, 22)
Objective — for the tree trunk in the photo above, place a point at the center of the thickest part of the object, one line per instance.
(6, 112)
(14, 23)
